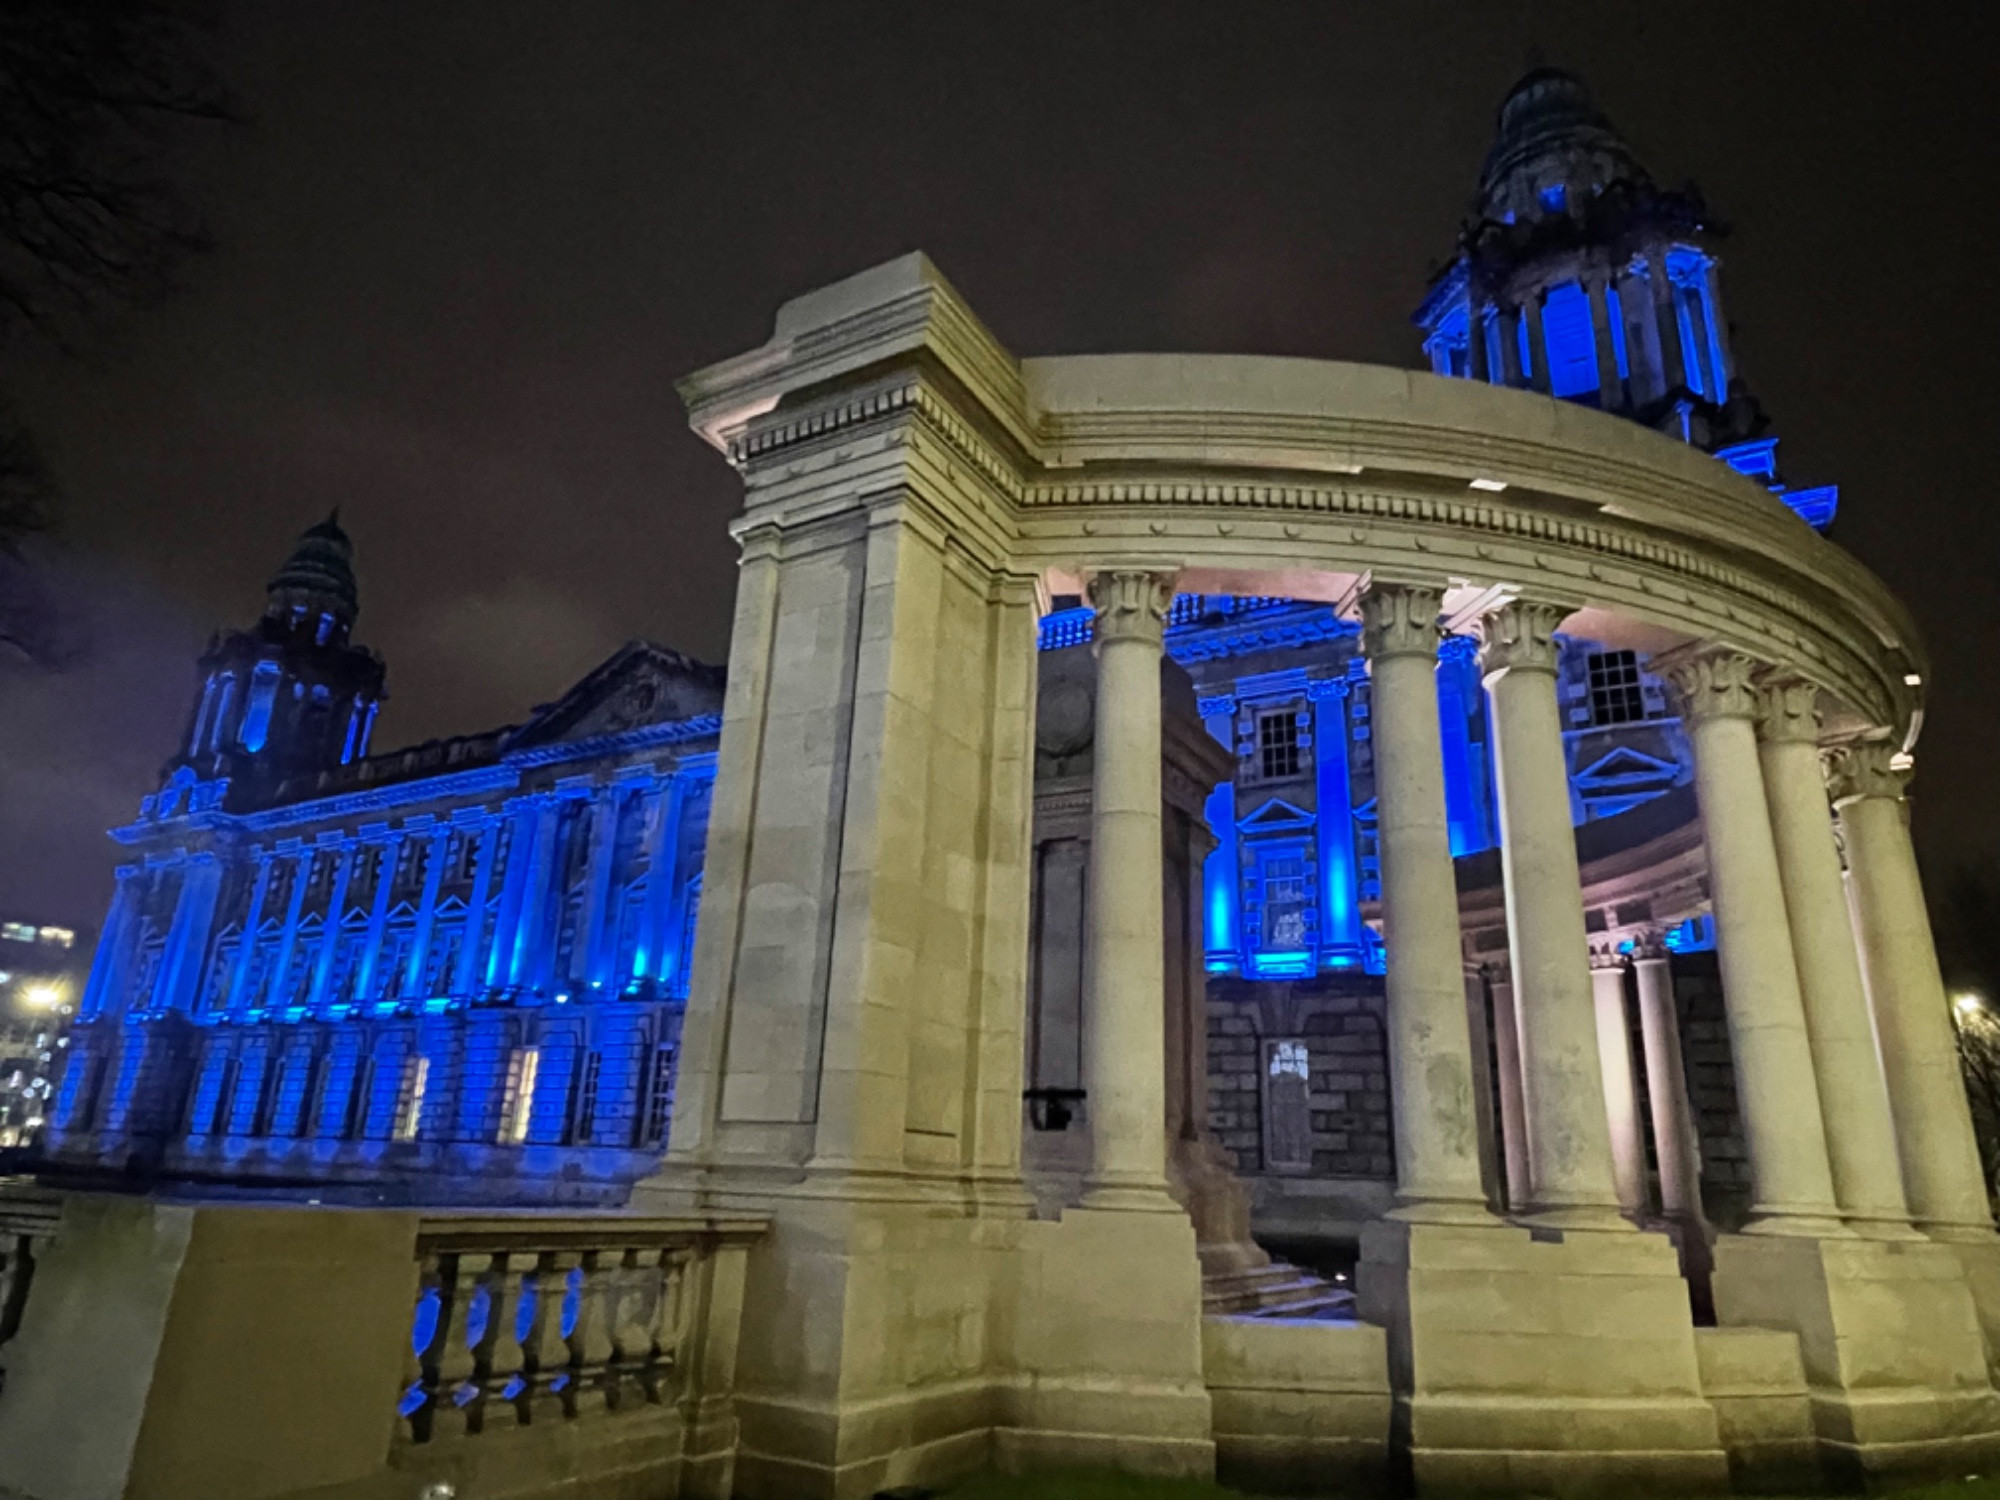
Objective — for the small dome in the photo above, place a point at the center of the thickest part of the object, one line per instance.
(319, 574)
(1554, 147)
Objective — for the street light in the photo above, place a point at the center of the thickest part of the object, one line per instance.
(1967, 1004)
(42, 996)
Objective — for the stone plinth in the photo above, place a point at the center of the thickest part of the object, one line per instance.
(1890, 1344)
(1540, 1365)
(1297, 1403)
(1755, 1382)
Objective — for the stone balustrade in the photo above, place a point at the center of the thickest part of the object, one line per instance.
(522, 1321)
(232, 1351)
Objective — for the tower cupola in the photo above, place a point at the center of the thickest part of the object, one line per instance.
(292, 695)
(1579, 276)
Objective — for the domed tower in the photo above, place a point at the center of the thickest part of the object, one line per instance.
(1580, 277)
(292, 695)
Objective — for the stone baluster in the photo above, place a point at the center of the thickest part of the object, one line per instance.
(1775, 1086)
(1569, 1139)
(1940, 1154)
(1674, 1139)
(1430, 1046)
(1125, 1045)
(1853, 1095)
(422, 1390)
(551, 1381)
(503, 1382)
(455, 1363)
(590, 1348)
(1621, 1093)
(635, 1295)
(671, 1309)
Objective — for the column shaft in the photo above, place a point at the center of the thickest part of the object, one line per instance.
(1674, 1138)
(1940, 1155)
(1125, 1047)
(1569, 1139)
(1621, 1094)
(1853, 1096)
(1513, 1103)
(1775, 1087)
(1430, 1050)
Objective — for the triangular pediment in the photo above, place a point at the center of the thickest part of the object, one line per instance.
(1275, 814)
(640, 685)
(1625, 766)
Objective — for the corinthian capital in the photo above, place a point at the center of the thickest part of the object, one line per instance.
(1867, 769)
(1788, 711)
(1520, 636)
(1715, 684)
(1400, 619)
(1131, 606)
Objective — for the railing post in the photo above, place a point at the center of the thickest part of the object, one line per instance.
(502, 1382)
(551, 1383)
(590, 1350)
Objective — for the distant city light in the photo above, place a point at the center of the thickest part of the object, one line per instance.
(1492, 486)
(42, 996)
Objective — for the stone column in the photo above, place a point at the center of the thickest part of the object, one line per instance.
(1673, 368)
(1674, 1138)
(1940, 1155)
(1854, 1099)
(330, 930)
(435, 854)
(1610, 383)
(1430, 1050)
(1569, 1140)
(104, 986)
(187, 940)
(1775, 1087)
(1510, 346)
(388, 847)
(1513, 1103)
(487, 831)
(1538, 345)
(661, 958)
(276, 992)
(246, 949)
(1621, 1093)
(1125, 1053)
(1340, 912)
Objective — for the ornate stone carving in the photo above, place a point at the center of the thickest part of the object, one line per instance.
(1520, 636)
(1400, 619)
(1606, 956)
(1131, 606)
(1649, 944)
(1320, 688)
(1716, 684)
(1862, 770)
(1788, 711)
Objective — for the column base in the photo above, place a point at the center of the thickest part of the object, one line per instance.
(1107, 1340)
(1889, 1342)
(1606, 1218)
(1978, 1257)
(1552, 1363)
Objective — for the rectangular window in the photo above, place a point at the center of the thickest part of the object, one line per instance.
(1570, 335)
(356, 1120)
(1287, 1106)
(660, 1095)
(315, 1101)
(518, 1103)
(1278, 744)
(1616, 696)
(584, 1125)
(410, 1098)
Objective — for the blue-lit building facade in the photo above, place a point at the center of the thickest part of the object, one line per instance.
(454, 971)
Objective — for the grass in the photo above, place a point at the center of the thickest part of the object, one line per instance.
(1106, 1485)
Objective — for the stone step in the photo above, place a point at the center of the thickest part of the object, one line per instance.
(1274, 1290)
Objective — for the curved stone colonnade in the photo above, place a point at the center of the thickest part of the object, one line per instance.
(852, 1052)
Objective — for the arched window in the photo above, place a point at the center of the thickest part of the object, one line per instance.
(257, 715)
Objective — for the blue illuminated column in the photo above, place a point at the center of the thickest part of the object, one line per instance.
(658, 956)
(1458, 693)
(246, 949)
(1673, 371)
(1340, 906)
(420, 942)
(487, 831)
(587, 957)
(336, 911)
(107, 968)
(288, 941)
(1222, 941)
(525, 813)
(388, 847)
(534, 942)
(1605, 336)
(187, 939)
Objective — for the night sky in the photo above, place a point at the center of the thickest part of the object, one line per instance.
(466, 249)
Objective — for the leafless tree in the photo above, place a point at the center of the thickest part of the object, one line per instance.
(1967, 922)
(93, 94)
